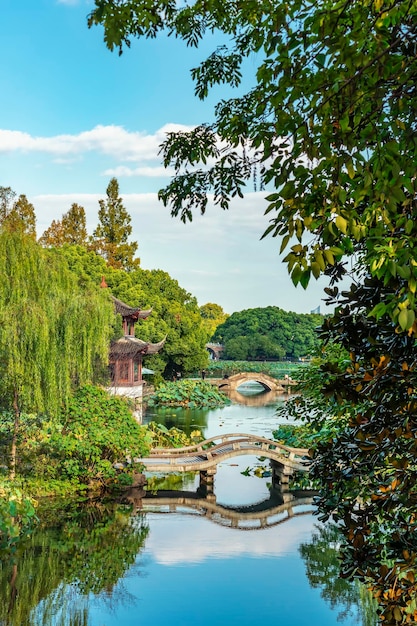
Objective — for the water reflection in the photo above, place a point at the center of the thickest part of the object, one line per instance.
(249, 412)
(347, 598)
(183, 563)
(79, 548)
(255, 398)
(279, 507)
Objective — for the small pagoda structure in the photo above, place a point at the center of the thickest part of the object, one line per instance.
(126, 353)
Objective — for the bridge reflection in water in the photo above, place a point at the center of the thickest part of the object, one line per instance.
(258, 398)
(281, 506)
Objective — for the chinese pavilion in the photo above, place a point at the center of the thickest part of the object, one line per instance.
(126, 353)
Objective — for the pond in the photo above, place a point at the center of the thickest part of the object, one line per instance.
(244, 556)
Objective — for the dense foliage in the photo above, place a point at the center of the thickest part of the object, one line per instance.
(213, 315)
(53, 331)
(97, 431)
(81, 443)
(175, 312)
(330, 123)
(266, 333)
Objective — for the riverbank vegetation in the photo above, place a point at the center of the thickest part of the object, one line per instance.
(163, 437)
(79, 446)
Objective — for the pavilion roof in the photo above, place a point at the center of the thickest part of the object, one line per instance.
(131, 347)
(127, 311)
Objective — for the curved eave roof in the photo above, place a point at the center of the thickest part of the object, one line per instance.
(128, 311)
(131, 347)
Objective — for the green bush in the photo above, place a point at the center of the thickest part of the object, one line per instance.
(17, 517)
(162, 437)
(97, 431)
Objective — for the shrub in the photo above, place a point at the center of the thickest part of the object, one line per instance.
(98, 430)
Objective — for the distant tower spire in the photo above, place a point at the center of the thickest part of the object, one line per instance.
(103, 283)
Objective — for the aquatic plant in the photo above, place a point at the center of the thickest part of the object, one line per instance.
(188, 393)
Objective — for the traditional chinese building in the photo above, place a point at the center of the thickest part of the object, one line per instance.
(127, 353)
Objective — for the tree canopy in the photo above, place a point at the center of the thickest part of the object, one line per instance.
(175, 312)
(53, 331)
(329, 125)
(110, 238)
(268, 333)
(213, 315)
(71, 229)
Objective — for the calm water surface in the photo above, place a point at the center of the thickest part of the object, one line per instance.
(172, 563)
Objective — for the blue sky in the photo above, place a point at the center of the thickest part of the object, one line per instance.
(73, 114)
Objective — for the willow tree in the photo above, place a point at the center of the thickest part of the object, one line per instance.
(52, 332)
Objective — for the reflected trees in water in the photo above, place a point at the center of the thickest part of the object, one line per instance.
(78, 549)
(322, 559)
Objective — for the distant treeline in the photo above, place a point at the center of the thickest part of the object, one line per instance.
(268, 333)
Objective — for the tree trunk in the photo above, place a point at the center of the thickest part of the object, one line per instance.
(13, 449)
(13, 590)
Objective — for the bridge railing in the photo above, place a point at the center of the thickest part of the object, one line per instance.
(213, 444)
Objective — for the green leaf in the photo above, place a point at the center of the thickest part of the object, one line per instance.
(341, 224)
(406, 319)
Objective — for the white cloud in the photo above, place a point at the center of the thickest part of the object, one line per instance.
(184, 544)
(122, 171)
(111, 140)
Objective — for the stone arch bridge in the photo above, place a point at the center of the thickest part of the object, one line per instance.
(206, 455)
(268, 382)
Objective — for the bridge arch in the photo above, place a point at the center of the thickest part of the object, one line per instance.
(215, 350)
(233, 382)
(270, 512)
(206, 455)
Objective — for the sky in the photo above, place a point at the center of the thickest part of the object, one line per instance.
(73, 115)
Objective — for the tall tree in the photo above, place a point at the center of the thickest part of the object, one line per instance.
(52, 332)
(330, 122)
(71, 229)
(17, 214)
(330, 125)
(110, 238)
(213, 315)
